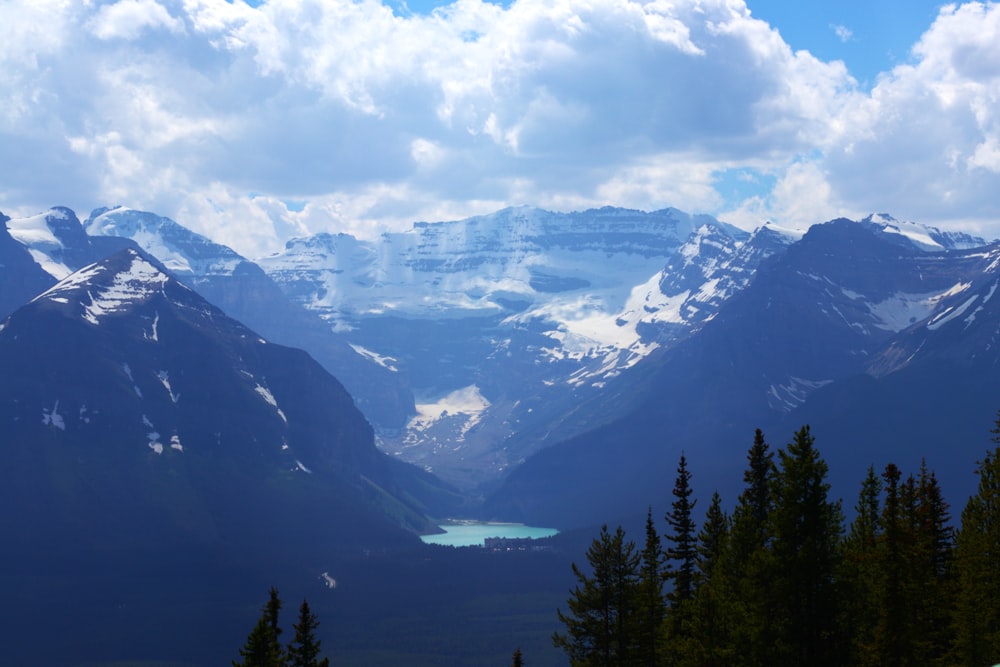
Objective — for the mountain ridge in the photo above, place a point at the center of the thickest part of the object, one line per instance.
(810, 323)
(154, 389)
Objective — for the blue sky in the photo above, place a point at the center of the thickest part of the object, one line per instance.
(255, 122)
(869, 36)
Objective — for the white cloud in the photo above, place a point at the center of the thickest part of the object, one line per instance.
(842, 32)
(924, 143)
(216, 113)
(129, 19)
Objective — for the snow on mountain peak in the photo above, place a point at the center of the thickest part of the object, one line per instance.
(924, 237)
(103, 290)
(181, 250)
(34, 230)
(790, 234)
(36, 234)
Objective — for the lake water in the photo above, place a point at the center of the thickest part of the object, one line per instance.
(474, 533)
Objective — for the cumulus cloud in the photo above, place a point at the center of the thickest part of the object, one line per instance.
(129, 19)
(925, 140)
(251, 124)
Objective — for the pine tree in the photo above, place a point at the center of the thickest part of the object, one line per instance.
(934, 593)
(682, 561)
(915, 592)
(889, 639)
(711, 539)
(682, 538)
(651, 607)
(755, 502)
(748, 568)
(600, 626)
(977, 560)
(262, 648)
(806, 529)
(709, 616)
(304, 649)
(862, 574)
(272, 610)
(517, 660)
(866, 527)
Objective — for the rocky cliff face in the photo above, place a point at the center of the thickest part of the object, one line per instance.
(498, 320)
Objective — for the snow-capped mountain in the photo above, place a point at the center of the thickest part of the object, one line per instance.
(922, 236)
(500, 320)
(853, 316)
(137, 417)
(496, 264)
(189, 256)
(57, 242)
(21, 278)
(37, 251)
(60, 244)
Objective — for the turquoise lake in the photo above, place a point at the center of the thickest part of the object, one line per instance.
(474, 533)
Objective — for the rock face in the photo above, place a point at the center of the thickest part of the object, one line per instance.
(140, 419)
(502, 321)
(884, 342)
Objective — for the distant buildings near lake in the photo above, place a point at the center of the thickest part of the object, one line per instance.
(504, 544)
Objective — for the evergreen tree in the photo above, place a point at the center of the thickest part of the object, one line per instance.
(862, 574)
(272, 610)
(682, 561)
(806, 529)
(977, 559)
(304, 649)
(915, 596)
(682, 554)
(709, 617)
(517, 660)
(866, 527)
(934, 593)
(748, 568)
(755, 501)
(651, 607)
(711, 540)
(262, 648)
(600, 626)
(891, 640)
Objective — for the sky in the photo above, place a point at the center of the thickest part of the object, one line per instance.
(256, 122)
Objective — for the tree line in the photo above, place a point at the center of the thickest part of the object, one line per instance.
(781, 581)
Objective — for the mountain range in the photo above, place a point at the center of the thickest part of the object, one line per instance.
(527, 357)
(880, 336)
